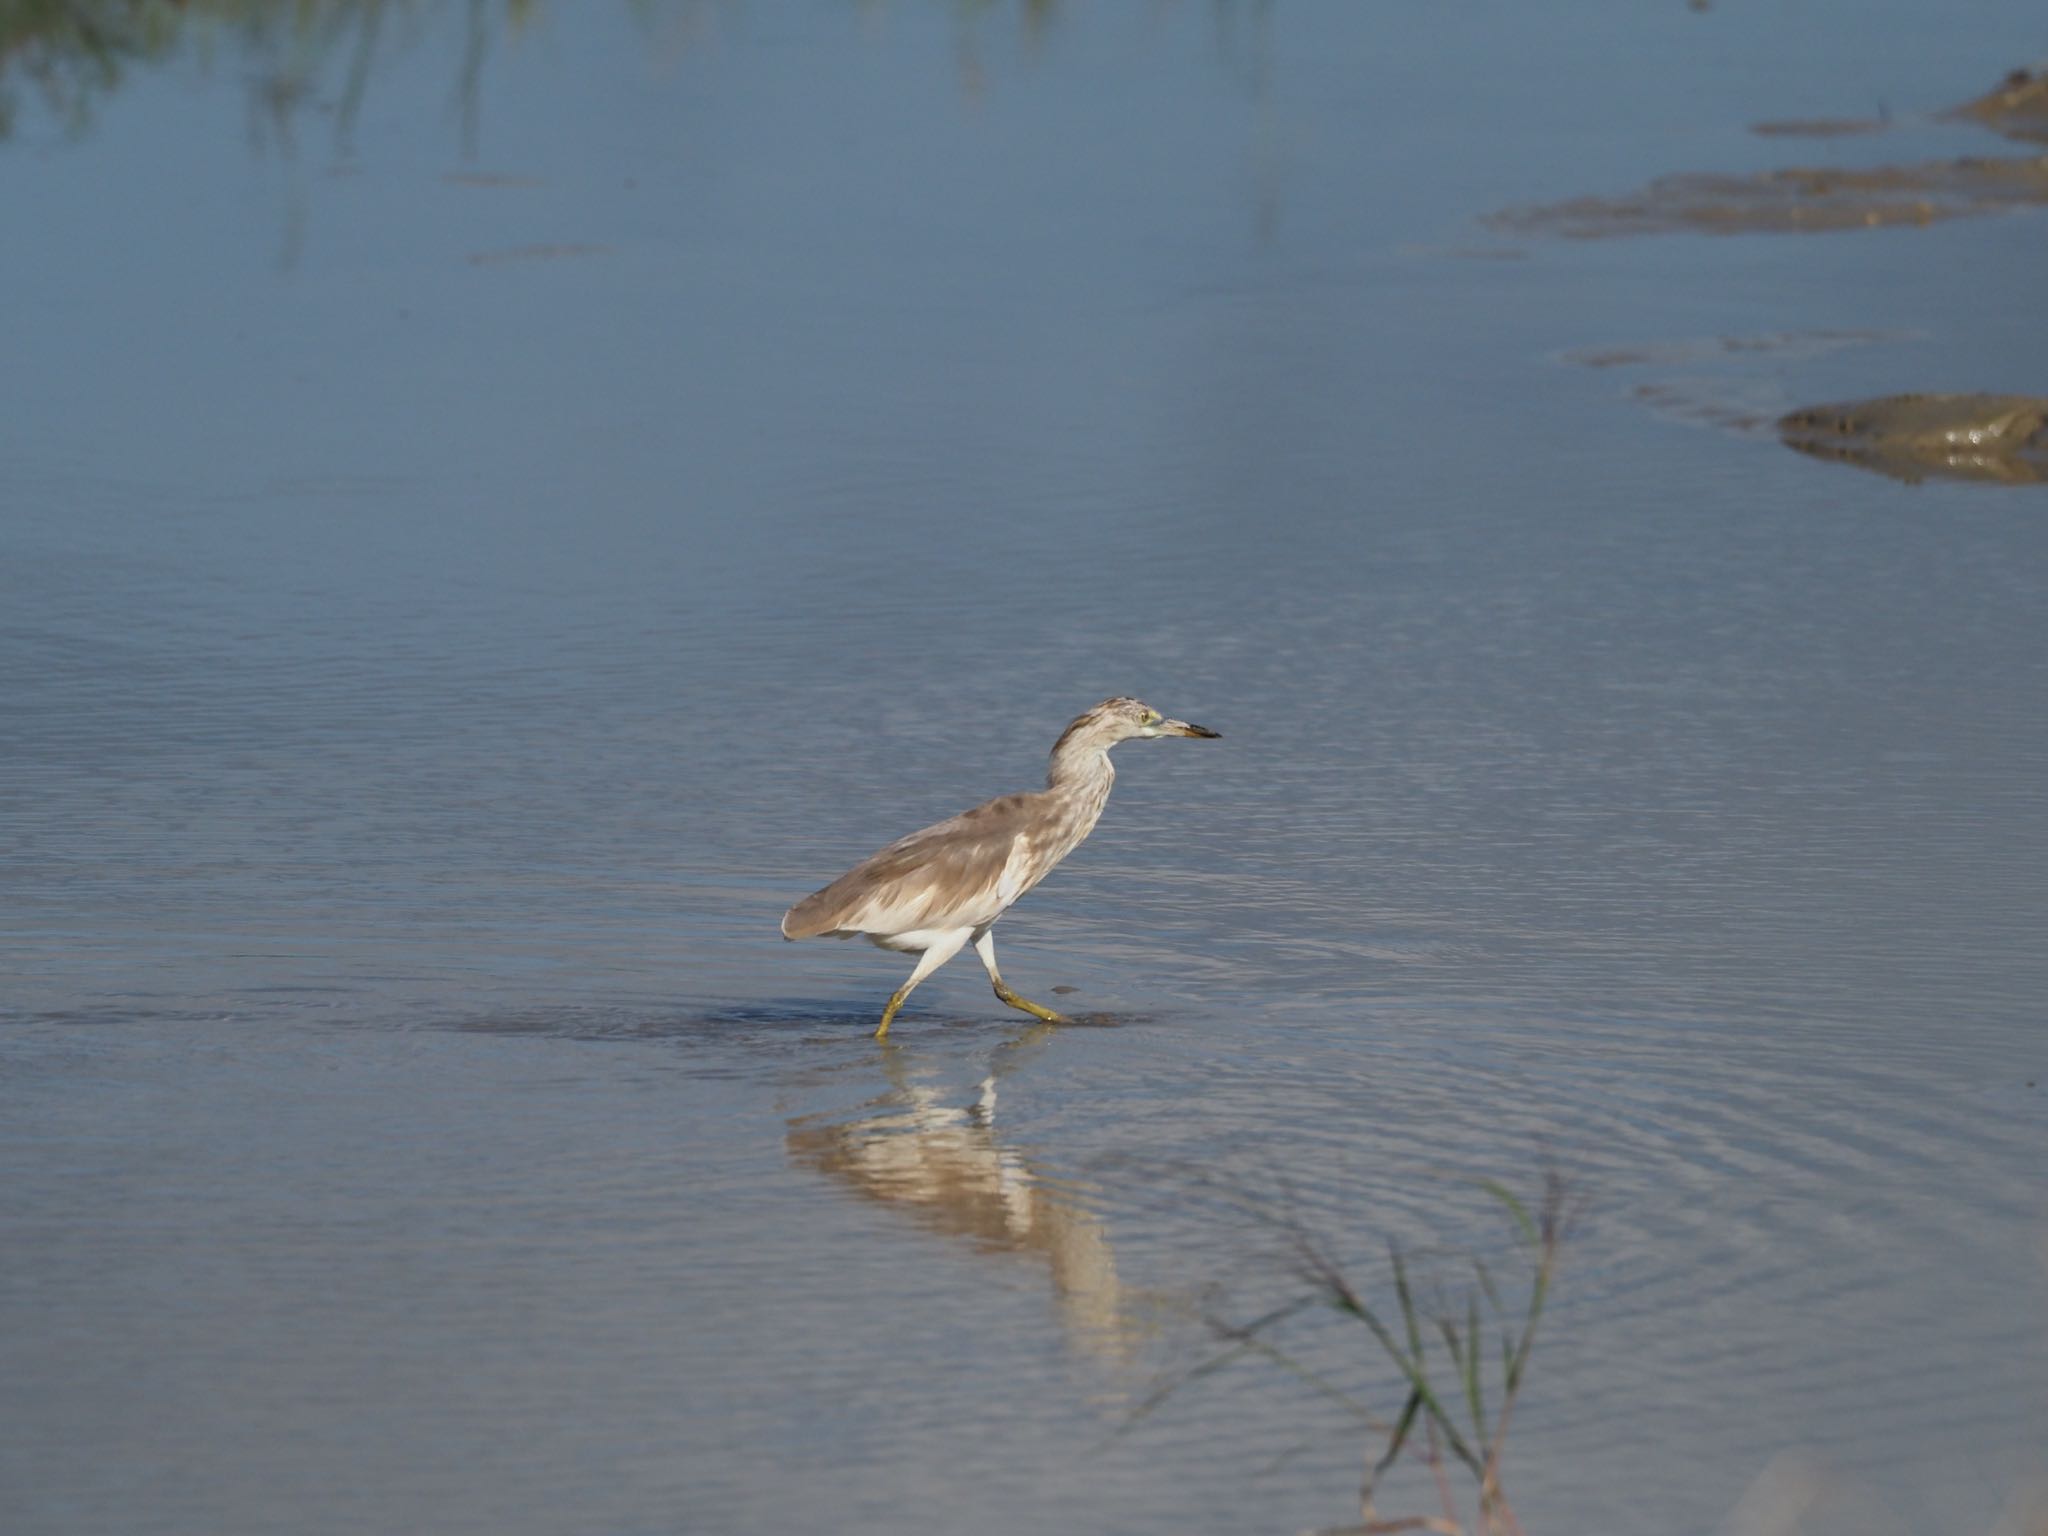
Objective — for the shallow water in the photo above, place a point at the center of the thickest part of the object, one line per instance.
(474, 556)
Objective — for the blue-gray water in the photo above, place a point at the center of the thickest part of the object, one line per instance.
(473, 555)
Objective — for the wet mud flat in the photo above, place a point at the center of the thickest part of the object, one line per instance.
(2016, 107)
(1817, 199)
(1799, 200)
(2002, 439)
(1987, 438)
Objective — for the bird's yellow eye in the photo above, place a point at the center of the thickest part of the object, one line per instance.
(1153, 717)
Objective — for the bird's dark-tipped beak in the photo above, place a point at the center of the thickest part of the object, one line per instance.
(1182, 728)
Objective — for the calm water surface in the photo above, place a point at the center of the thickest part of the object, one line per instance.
(475, 552)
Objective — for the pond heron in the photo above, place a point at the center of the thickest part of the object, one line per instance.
(934, 892)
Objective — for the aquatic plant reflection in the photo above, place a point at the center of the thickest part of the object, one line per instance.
(69, 54)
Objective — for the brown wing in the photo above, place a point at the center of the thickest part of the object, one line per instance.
(946, 876)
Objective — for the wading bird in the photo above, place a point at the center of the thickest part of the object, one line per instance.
(935, 891)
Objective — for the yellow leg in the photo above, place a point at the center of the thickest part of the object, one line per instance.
(985, 946)
(888, 1013)
(1036, 1010)
(947, 947)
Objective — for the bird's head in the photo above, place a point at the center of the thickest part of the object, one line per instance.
(1115, 720)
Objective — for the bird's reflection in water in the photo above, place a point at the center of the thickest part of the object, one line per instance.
(943, 1164)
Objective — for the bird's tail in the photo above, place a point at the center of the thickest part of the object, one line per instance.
(807, 919)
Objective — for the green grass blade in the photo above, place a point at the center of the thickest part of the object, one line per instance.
(1486, 1284)
(1474, 1395)
(1407, 1299)
(1538, 1289)
(1399, 1437)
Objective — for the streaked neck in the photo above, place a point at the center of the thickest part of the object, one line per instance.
(1080, 768)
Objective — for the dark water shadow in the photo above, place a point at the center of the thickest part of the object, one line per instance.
(599, 1023)
(740, 1021)
(744, 1040)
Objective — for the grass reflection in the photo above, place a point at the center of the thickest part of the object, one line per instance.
(67, 55)
(63, 59)
(1457, 1400)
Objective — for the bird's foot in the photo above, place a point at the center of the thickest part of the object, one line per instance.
(1036, 1010)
